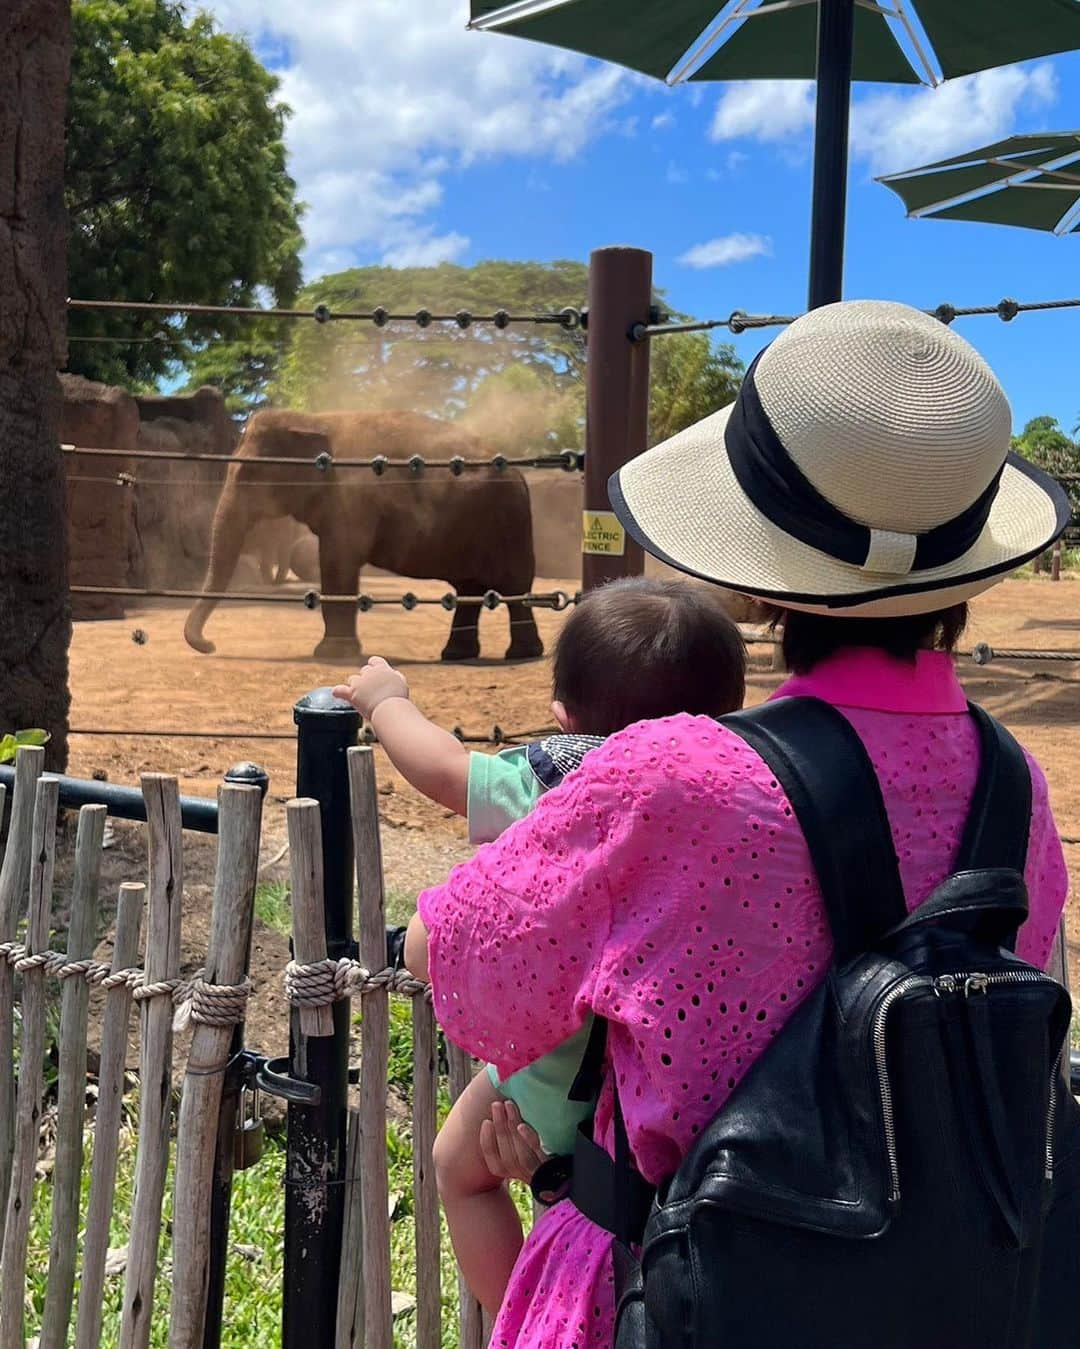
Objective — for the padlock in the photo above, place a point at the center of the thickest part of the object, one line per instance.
(249, 1139)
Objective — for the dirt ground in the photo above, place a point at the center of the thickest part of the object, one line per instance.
(137, 674)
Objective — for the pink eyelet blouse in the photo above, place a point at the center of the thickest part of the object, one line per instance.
(667, 887)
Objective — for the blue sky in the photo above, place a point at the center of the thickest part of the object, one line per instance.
(414, 141)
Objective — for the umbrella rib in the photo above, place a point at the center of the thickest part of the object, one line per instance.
(913, 38)
(976, 194)
(1054, 166)
(1069, 221)
(950, 166)
(519, 9)
(712, 36)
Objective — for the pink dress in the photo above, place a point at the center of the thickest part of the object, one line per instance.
(666, 886)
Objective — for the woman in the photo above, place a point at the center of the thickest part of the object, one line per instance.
(862, 486)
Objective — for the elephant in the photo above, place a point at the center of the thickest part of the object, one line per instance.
(281, 546)
(472, 530)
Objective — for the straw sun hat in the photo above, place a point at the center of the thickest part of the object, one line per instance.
(864, 470)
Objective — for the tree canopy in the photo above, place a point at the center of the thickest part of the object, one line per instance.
(176, 184)
(522, 387)
(1048, 447)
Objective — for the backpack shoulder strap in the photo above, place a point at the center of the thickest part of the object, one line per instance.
(999, 819)
(826, 774)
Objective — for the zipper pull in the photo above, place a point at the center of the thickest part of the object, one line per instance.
(975, 983)
(944, 986)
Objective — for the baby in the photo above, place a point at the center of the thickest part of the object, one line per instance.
(631, 651)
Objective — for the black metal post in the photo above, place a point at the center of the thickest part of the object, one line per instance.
(315, 1159)
(836, 32)
(251, 775)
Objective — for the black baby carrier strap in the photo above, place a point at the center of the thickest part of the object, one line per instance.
(900, 1169)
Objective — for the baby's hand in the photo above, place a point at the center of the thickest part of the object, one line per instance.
(376, 682)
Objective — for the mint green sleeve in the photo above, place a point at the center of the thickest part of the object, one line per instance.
(502, 790)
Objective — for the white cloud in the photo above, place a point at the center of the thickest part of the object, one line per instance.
(425, 249)
(662, 121)
(763, 110)
(389, 98)
(891, 129)
(728, 249)
(899, 131)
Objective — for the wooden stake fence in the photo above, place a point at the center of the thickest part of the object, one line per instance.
(213, 1001)
(240, 814)
(14, 878)
(31, 1059)
(374, 1057)
(115, 1032)
(71, 1093)
(164, 833)
(365, 1310)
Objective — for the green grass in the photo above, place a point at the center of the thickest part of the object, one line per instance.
(400, 906)
(272, 907)
(253, 1279)
(252, 1316)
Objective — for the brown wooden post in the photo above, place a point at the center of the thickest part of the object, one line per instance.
(617, 404)
(1055, 562)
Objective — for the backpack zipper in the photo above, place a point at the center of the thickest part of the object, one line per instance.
(894, 994)
(968, 983)
(979, 983)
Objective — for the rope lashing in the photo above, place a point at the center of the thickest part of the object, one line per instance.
(208, 1004)
(204, 1004)
(96, 972)
(324, 982)
(569, 318)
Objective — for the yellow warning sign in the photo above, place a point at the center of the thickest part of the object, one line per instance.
(602, 533)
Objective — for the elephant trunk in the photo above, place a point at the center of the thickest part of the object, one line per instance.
(231, 523)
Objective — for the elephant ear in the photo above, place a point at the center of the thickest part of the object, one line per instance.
(294, 442)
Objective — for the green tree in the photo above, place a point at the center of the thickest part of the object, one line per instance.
(689, 377)
(1048, 447)
(176, 186)
(437, 369)
(522, 387)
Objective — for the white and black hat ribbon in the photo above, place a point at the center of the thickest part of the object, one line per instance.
(779, 489)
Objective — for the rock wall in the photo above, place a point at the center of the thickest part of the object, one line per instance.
(102, 539)
(151, 527)
(175, 500)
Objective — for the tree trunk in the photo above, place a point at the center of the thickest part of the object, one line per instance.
(35, 623)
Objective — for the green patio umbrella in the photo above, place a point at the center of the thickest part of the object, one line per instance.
(836, 41)
(1031, 181)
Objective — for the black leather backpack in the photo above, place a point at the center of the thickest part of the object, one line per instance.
(901, 1168)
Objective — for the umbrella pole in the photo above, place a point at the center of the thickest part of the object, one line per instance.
(836, 26)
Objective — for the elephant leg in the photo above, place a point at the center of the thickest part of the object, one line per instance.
(339, 571)
(464, 640)
(525, 640)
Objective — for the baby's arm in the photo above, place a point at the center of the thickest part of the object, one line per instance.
(435, 762)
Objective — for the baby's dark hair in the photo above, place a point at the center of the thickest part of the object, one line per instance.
(642, 648)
